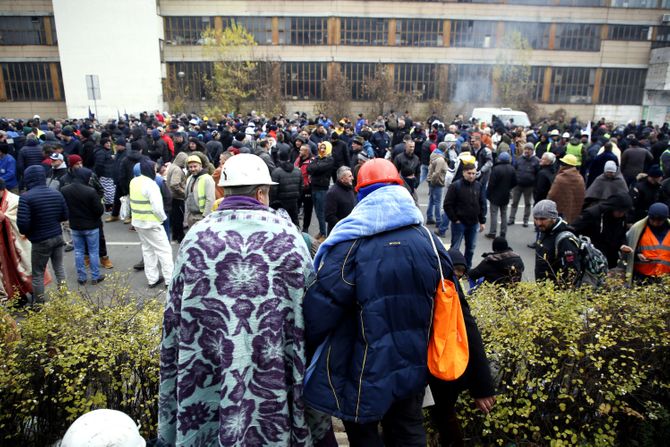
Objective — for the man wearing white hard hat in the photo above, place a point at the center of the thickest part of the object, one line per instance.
(200, 192)
(233, 354)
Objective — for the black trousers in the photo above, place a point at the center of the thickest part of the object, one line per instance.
(291, 207)
(177, 220)
(402, 426)
(442, 414)
(305, 201)
(116, 207)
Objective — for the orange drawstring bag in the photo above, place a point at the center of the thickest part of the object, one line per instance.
(448, 345)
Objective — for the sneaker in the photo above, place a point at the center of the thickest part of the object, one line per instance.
(430, 222)
(525, 224)
(490, 235)
(437, 233)
(127, 220)
(112, 219)
(533, 245)
(139, 266)
(69, 247)
(106, 263)
(510, 222)
(157, 283)
(100, 279)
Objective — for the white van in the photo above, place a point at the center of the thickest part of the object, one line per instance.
(506, 115)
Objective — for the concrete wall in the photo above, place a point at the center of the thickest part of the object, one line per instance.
(119, 42)
(46, 109)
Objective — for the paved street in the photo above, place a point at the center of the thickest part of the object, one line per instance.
(124, 248)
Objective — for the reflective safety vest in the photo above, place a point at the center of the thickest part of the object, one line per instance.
(576, 150)
(657, 254)
(201, 197)
(140, 206)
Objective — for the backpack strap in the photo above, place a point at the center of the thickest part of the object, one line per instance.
(439, 262)
(566, 234)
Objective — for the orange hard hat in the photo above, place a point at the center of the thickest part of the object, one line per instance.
(377, 170)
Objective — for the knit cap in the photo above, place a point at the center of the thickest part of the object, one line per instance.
(545, 209)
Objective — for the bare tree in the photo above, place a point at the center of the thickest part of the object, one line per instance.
(336, 95)
(512, 74)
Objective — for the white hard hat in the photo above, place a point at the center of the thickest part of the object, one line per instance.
(450, 138)
(566, 134)
(245, 170)
(103, 428)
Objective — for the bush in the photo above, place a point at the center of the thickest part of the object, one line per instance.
(574, 368)
(76, 354)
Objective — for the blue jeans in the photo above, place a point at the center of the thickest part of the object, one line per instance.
(459, 231)
(424, 174)
(82, 239)
(319, 199)
(434, 202)
(444, 224)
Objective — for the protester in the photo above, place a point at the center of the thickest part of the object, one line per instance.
(305, 202)
(645, 191)
(503, 266)
(609, 183)
(238, 289)
(437, 172)
(648, 246)
(200, 195)
(501, 182)
(8, 169)
(340, 199)
(567, 190)
(320, 170)
(176, 182)
(41, 211)
(288, 186)
(527, 167)
(634, 160)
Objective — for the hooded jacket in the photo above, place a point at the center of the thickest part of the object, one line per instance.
(505, 267)
(289, 179)
(604, 187)
(501, 182)
(568, 193)
(126, 170)
(526, 170)
(320, 170)
(29, 155)
(84, 206)
(41, 210)
(175, 177)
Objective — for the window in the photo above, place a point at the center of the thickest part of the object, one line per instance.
(635, 4)
(357, 73)
(628, 32)
(622, 86)
(28, 81)
(419, 32)
(418, 80)
(537, 34)
(537, 82)
(259, 27)
(18, 30)
(572, 85)
(363, 31)
(191, 84)
(470, 83)
(583, 2)
(472, 33)
(186, 30)
(662, 37)
(303, 80)
(578, 37)
(303, 31)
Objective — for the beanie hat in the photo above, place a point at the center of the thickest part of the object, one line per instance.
(155, 134)
(504, 157)
(654, 171)
(120, 141)
(83, 174)
(500, 244)
(363, 157)
(545, 209)
(529, 146)
(73, 159)
(659, 210)
(610, 166)
(457, 257)
(283, 154)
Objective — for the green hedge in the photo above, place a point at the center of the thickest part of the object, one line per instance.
(79, 352)
(572, 368)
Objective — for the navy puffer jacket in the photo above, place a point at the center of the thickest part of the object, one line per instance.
(371, 310)
(41, 209)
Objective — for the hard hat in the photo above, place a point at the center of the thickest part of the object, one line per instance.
(554, 133)
(193, 159)
(566, 134)
(570, 159)
(378, 170)
(245, 170)
(450, 138)
(102, 428)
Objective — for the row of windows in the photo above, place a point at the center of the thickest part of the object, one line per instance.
(26, 81)
(645, 4)
(464, 82)
(24, 30)
(408, 32)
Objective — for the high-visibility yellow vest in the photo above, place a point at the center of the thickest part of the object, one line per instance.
(201, 197)
(576, 150)
(140, 206)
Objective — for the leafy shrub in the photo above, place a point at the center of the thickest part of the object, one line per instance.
(574, 368)
(78, 353)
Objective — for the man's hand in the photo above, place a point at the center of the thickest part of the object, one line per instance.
(626, 249)
(481, 227)
(485, 404)
(642, 257)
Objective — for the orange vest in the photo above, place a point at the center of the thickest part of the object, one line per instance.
(658, 255)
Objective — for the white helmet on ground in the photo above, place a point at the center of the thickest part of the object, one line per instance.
(245, 170)
(103, 428)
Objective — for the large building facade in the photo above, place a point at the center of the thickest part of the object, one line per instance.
(591, 57)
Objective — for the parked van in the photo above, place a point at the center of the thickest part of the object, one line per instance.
(506, 115)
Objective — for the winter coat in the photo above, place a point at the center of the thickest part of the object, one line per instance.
(8, 171)
(103, 162)
(84, 206)
(340, 156)
(175, 177)
(118, 161)
(607, 233)
(597, 167)
(408, 165)
(568, 193)
(465, 202)
(604, 187)
(504, 267)
(526, 170)
(552, 263)
(87, 149)
(289, 179)
(380, 141)
(320, 170)
(340, 200)
(643, 194)
(545, 177)
(501, 182)
(437, 170)
(635, 160)
(29, 155)
(302, 165)
(41, 210)
(72, 147)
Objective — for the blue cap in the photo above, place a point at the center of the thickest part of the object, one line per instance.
(659, 210)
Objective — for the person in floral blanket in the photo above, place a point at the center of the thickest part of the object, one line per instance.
(233, 354)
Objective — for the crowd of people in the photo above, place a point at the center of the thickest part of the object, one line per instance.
(268, 328)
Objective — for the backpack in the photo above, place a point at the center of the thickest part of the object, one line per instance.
(594, 262)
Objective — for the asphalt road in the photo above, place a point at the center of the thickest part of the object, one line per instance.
(124, 250)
